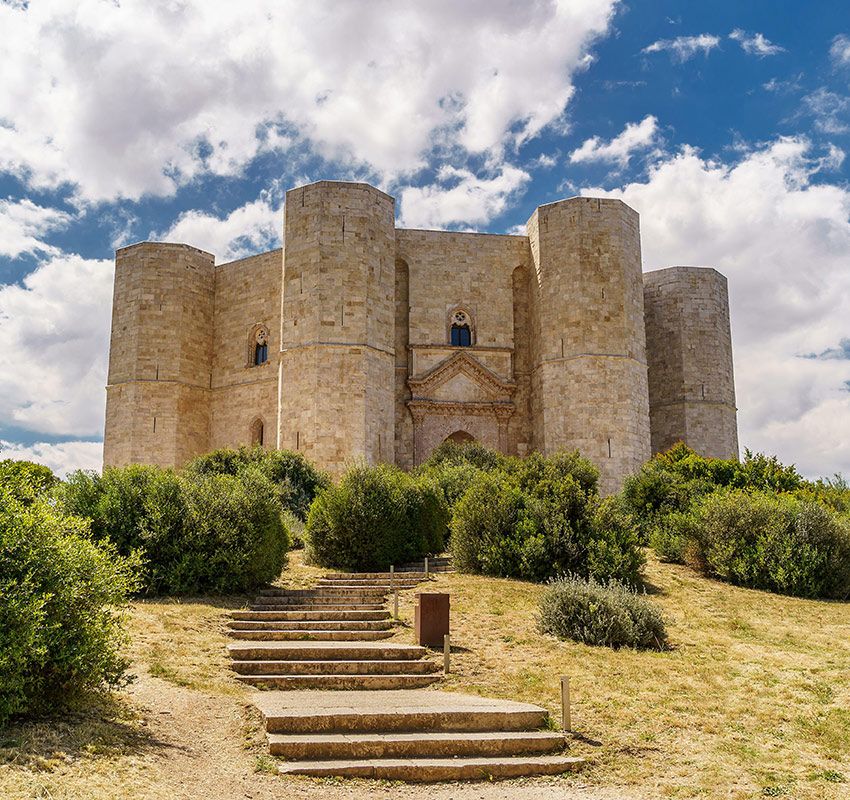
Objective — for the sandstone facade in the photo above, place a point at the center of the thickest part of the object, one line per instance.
(362, 340)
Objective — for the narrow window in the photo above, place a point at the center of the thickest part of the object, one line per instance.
(257, 433)
(260, 346)
(460, 334)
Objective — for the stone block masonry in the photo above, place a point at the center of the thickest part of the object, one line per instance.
(377, 343)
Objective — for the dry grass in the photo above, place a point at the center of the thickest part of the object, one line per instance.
(754, 700)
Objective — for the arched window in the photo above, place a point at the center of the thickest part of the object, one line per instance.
(257, 432)
(461, 330)
(259, 346)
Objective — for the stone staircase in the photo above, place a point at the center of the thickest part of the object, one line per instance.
(332, 639)
(435, 564)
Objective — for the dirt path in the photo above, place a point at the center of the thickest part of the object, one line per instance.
(214, 745)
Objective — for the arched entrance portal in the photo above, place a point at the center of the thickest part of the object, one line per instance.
(460, 437)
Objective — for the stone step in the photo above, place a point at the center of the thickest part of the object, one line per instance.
(335, 667)
(387, 712)
(436, 769)
(324, 651)
(414, 745)
(340, 682)
(310, 625)
(311, 635)
(324, 614)
(347, 577)
(321, 592)
(317, 607)
(385, 587)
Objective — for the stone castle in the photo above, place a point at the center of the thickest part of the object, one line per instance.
(361, 340)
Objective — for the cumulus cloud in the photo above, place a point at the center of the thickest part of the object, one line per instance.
(839, 51)
(683, 48)
(54, 342)
(252, 228)
(460, 197)
(755, 44)
(61, 457)
(23, 224)
(635, 136)
(133, 98)
(782, 239)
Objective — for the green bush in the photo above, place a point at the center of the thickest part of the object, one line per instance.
(452, 479)
(673, 537)
(61, 609)
(297, 481)
(537, 468)
(24, 480)
(195, 532)
(470, 453)
(609, 614)
(776, 542)
(373, 518)
(538, 530)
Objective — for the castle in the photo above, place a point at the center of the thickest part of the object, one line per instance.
(361, 340)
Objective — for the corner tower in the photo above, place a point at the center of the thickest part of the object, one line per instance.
(689, 349)
(160, 355)
(589, 379)
(337, 365)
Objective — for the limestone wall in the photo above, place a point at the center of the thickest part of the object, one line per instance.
(589, 354)
(689, 348)
(337, 385)
(247, 295)
(160, 359)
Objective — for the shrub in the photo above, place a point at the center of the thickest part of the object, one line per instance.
(673, 537)
(297, 481)
(547, 528)
(470, 453)
(452, 479)
(61, 611)
(24, 480)
(195, 533)
(609, 614)
(775, 542)
(373, 518)
(537, 468)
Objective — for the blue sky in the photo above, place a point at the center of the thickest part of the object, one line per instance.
(724, 124)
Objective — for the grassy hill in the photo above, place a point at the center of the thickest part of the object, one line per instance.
(753, 700)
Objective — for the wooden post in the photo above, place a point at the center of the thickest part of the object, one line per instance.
(392, 576)
(395, 603)
(447, 653)
(426, 566)
(566, 721)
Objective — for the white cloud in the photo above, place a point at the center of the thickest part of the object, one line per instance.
(54, 342)
(683, 48)
(782, 240)
(23, 224)
(635, 136)
(124, 99)
(755, 44)
(252, 228)
(830, 110)
(839, 52)
(460, 197)
(61, 457)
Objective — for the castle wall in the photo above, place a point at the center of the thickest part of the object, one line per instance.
(589, 353)
(689, 349)
(247, 295)
(337, 362)
(474, 272)
(572, 347)
(160, 356)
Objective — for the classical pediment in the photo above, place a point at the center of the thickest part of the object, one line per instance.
(461, 378)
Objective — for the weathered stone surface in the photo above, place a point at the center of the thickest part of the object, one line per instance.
(357, 316)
